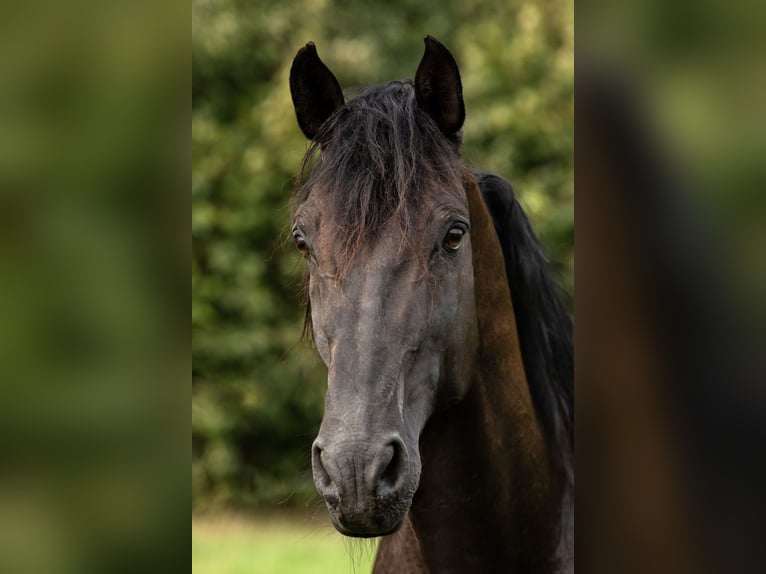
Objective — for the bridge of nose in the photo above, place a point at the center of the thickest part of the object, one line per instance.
(379, 314)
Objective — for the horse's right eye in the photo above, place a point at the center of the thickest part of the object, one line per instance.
(300, 243)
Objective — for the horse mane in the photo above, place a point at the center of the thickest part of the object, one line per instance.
(543, 324)
(376, 158)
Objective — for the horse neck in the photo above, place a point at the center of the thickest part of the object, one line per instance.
(487, 494)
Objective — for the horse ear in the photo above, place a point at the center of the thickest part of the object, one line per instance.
(315, 91)
(438, 90)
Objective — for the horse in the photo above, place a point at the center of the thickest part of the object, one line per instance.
(448, 419)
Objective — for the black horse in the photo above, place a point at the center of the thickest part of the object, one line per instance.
(448, 425)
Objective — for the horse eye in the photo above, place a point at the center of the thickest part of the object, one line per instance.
(300, 243)
(453, 239)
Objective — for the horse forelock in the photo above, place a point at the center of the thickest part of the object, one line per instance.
(377, 159)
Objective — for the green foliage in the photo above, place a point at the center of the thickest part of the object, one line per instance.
(257, 391)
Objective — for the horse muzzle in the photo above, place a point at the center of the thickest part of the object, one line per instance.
(367, 484)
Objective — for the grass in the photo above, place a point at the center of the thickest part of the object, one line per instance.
(236, 544)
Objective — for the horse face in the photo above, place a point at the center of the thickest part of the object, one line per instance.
(394, 317)
(397, 334)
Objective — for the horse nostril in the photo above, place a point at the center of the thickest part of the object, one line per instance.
(391, 467)
(321, 477)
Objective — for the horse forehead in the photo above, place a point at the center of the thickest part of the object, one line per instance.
(386, 260)
(382, 244)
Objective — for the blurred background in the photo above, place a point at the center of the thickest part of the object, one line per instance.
(257, 390)
(93, 260)
(671, 306)
(94, 176)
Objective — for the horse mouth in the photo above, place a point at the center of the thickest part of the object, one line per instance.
(379, 517)
(356, 534)
(364, 526)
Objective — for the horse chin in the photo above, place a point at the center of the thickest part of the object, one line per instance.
(382, 520)
(366, 533)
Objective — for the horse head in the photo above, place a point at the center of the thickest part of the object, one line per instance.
(383, 223)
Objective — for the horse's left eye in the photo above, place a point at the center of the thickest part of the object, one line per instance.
(453, 239)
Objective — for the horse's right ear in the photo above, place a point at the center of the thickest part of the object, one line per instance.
(315, 91)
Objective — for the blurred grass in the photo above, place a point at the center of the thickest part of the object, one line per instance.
(238, 544)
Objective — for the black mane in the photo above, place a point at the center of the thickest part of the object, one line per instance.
(544, 326)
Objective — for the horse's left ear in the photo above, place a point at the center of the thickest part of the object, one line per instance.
(438, 90)
(315, 90)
